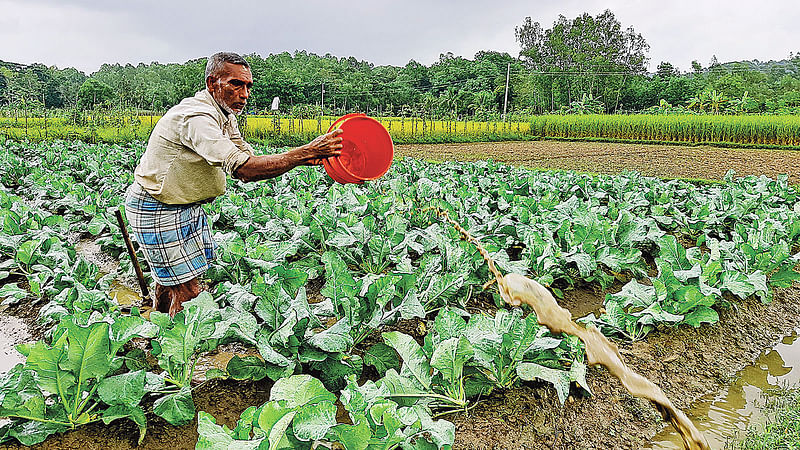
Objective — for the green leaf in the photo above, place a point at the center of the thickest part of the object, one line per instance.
(414, 360)
(784, 277)
(27, 250)
(299, 390)
(560, 379)
(12, 294)
(577, 373)
(448, 324)
(340, 286)
(177, 409)
(450, 356)
(485, 339)
(210, 435)
(737, 283)
(133, 412)
(689, 297)
(20, 395)
(247, 368)
(335, 339)
(32, 433)
(382, 357)
(89, 352)
(124, 328)
(703, 314)
(334, 369)
(312, 422)
(271, 356)
(274, 419)
(126, 389)
(45, 361)
(237, 325)
(672, 252)
(291, 279)
(352, 437)
(441, 289)
(245, 423)
(96, 226)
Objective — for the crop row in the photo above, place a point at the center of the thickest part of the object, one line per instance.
(382, 257)
(754, 130)
(781, 131)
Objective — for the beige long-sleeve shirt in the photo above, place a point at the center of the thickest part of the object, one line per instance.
(191, 150)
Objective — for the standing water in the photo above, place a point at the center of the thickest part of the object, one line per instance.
(720, 417)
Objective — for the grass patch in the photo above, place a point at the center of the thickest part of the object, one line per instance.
(782, 430)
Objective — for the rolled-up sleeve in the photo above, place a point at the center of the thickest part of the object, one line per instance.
(201, 133)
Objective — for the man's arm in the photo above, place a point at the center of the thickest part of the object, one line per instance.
(270, 166)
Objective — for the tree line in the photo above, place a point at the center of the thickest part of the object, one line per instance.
(587, 64)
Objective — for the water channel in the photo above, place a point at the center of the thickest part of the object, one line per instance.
(721, 416)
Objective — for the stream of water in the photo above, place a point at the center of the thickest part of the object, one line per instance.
(720, 417)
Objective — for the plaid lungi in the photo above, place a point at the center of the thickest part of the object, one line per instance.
(175, 239)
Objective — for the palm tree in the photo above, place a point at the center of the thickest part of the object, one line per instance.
(699, 101)
(717, 99)
(449, 101)
(481, 104)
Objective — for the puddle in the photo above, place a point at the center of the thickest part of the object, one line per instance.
(13, 332)
(92, 252)
(720, 417)
(220, 358)
(124, 296)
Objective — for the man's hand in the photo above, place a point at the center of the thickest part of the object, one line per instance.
(270, 166)
(321, 147)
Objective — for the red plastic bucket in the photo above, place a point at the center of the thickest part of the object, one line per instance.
(367, 150)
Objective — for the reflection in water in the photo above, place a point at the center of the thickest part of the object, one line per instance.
(123, 295)
(14, 331)
(220, 358)
(736, 408)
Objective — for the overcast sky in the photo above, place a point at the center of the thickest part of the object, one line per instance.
(87, 33)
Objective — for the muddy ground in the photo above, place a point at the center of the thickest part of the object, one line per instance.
(609, 158)
(685, 362)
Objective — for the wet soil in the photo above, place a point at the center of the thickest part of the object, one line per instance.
(664, 161)
(225, 400)
(14, 331)
(685, 362)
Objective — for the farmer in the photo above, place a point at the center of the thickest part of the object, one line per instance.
(191, 150)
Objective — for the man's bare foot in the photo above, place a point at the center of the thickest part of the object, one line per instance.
(163, 298)
(183, 293)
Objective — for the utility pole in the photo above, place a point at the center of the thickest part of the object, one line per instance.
(323, 99)
(505, 101)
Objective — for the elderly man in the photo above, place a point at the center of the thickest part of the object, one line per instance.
(190, 152)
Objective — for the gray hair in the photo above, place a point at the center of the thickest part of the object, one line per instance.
(217, 61)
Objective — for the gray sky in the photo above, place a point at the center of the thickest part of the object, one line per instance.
(86, 33)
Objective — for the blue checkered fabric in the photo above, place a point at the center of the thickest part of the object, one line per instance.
(175, 239)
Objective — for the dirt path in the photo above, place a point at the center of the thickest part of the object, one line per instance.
(610, 158)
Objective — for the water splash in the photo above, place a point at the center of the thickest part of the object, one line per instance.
(516, 289)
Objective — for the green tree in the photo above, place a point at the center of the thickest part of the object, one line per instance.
(585, 55)
(93, 93)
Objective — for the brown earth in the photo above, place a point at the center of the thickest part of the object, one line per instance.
(610, 158)
(685, 362)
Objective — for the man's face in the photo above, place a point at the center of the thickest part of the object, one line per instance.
(231, 87)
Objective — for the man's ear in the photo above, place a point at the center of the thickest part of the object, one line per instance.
(210, 81)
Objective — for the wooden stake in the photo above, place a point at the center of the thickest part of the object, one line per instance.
(134, 259)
